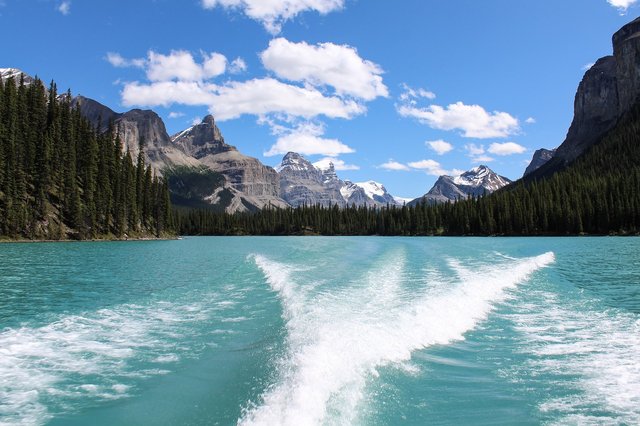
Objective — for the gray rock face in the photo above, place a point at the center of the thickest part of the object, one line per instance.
(202, 140)
(607, 91)
(595, 109)
(301, 183)
(254, 183)
(99, 115)
(540, 158)
(626, 50)
(475, 182)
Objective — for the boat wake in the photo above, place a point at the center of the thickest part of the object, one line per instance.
(339, 338)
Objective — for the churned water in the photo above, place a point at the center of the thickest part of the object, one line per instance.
(313, 331)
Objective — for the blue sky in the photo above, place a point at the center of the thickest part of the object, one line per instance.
(394, 91)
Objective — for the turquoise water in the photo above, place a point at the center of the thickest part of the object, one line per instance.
(337, 331)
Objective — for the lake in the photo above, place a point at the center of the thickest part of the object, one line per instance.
(314, 330)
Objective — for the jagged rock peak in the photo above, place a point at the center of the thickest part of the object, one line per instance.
(202, 139)
(293, 161)
(329, 174)
(481, 176)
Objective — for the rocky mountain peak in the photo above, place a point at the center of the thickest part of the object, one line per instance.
(475, 182)
(294, 162)
(16, 73)
(329, 173)
(202, 139)
(540, 158)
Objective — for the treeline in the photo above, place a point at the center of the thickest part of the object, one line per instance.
(61, 179)
(598, 194)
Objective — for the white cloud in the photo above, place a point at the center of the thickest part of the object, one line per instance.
(431, 167)
(394, 165)
(65, 7)
(174, 114)
(530, 120)
(507, 148)
(232, 100)
(273, 13)
(325, 64)
(622, 5)
(440, 147)
(165, 93)
(196, 120)
(473, 120)
(306, 139)
(180, 65)
(116, 60)
(410, 95)
(269, 96)
(338, 164)
(237, 66)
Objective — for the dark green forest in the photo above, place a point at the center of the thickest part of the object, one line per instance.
(599, 194)
(60, 179)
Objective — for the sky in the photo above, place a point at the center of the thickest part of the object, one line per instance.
(396, 91)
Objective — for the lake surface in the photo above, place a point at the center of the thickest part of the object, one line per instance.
(305, 331)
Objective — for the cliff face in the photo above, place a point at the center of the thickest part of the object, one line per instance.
(253, 184)
(608, 90)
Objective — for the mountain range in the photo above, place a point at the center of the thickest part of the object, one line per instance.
(205, 172)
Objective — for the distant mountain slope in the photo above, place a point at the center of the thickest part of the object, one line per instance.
(539, 159)
(475, 182)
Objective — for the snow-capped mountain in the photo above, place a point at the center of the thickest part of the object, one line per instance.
(7, 73)
(477, 181)
(302, 182)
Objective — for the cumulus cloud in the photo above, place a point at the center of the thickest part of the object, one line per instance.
(325, 64)
(174, 114)
(65, 7)
(430, 167)
(477, 153)
(507, 148)
(180, 65)
(166, 93)
(273, 13)
(116, 60)
(237, 66)
(307, 139)
(530, 120)
(177, 65)
(394, 166)
(269, 96)
(338, 164)
(473, 120)
(440, 147)
(622, 5)
(234, 99)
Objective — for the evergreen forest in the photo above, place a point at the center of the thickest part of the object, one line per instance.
(61, 179)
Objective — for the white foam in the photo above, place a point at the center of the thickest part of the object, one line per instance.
(593, 354)
(44, 369)
(339, 339)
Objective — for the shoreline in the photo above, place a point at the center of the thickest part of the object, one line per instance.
(93, 240)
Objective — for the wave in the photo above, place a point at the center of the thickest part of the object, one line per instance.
(593, 355)
(94, 356)
(337, 340)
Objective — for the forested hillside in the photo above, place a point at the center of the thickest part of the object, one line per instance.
(60, 179)
(597, 194)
